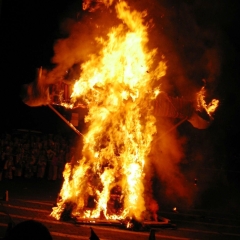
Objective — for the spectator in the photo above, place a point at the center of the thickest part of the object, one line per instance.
(55, 166)
(9, 164)
(51, 163)
(2, 162)
(30, 165)
(61, 164)
(41, 164)
(19, 162)
(29, 155)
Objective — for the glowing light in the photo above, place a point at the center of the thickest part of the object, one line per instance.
(201, 103)
(115, 84)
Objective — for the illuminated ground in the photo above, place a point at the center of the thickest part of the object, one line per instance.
(34, 200)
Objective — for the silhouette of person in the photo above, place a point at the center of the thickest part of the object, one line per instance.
(29, 230)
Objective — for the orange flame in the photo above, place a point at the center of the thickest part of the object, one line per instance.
(115, 84)
(201, 103)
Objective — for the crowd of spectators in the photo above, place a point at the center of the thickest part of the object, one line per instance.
(26, 154)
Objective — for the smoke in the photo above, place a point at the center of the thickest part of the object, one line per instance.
(171, 185)
(76, 44)
(36, 93)
(79, 40)
(186, 34)
(189, 36)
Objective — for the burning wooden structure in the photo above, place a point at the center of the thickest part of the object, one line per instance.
(117, 86)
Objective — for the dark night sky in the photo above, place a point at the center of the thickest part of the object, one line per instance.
(28, 30)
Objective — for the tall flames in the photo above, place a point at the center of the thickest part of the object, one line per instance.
(117, 86)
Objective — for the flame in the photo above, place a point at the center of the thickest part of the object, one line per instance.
(92, 6)
(115, 84)
(201, 103)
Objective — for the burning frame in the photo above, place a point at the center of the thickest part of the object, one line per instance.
(117, 85)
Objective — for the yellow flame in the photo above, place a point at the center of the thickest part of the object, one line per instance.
(116, 86)
(201, 103)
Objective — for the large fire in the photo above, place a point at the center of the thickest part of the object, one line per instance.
(117, 86)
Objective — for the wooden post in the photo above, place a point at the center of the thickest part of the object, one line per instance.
(66, 121)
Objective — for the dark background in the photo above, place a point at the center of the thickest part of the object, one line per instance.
(28, 30)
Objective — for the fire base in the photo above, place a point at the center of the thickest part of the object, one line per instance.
(130, 224)
(127, 223)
